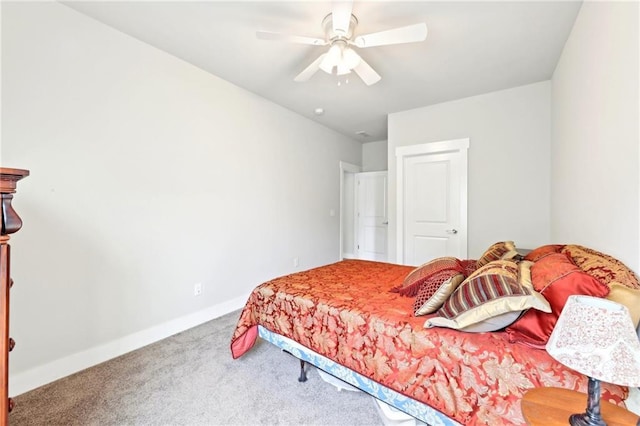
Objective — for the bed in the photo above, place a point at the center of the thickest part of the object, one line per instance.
(348, 319)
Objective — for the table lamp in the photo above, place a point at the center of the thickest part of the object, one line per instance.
(596, 337)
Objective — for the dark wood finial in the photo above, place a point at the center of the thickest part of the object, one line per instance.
(9, 178)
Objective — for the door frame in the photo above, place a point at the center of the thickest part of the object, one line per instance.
(345, 168)
(454, 146)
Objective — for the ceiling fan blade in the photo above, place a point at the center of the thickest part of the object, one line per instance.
(408, 34)
(341, 16)
(269, 35)
(309, 71)
(366, 73)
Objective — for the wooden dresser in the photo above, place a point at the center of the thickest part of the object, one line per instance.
(10, 223)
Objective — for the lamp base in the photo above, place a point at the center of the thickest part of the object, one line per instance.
(592, 416)
(585, 419)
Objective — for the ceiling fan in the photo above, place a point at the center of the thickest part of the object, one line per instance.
(341, 58)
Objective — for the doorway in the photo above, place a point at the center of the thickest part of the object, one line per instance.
(347, 210)
(371, 219)
(363, 214)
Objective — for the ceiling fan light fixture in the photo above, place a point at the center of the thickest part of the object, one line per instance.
(342, 68)
(335, 53)
(350, 58)
(326, 67)
(333, 58)
(341, 58)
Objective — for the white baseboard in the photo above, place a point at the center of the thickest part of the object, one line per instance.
(47, 373)
(348, 256)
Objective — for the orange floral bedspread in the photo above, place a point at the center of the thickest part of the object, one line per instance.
(346, 312)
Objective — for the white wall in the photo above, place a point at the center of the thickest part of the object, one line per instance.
(374, 156)
(595, 136)
(508, 185)
(148, 176)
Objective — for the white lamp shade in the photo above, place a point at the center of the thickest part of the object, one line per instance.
(596, 337)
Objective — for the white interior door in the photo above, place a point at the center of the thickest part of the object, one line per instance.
(432, 204)
(371, 216)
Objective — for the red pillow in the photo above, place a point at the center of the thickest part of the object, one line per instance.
(412, 283)
(542, 251)
(556, 277)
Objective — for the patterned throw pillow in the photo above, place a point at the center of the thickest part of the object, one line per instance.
(422, 273)
(469, 266)
(605, 268)
(435, 291)
(492, 291)
(497, 251)
(556, 277)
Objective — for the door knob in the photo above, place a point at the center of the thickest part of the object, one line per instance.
(451, 231)
(385, 222)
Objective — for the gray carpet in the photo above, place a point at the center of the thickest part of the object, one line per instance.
(191, 379)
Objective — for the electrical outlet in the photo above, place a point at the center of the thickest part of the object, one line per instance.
(197, 289)
(296, 262)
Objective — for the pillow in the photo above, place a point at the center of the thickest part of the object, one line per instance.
(524, 273)
(435, 291)
(469, 266)
(602, 266)
(501, 321)
(507, 268)
(628, 297)
(495, 323)
(556, 277)
(500, 250)
(422, 273)
(484, 300)
(542, 251)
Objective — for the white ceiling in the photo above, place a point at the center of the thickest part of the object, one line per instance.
(471, 48)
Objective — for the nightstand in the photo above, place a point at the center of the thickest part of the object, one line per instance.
(553, 406)
(10, 222)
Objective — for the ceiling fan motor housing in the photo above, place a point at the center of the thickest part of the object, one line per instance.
(331, 35)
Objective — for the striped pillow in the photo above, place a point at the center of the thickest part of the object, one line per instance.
(497, 251)
(499, 289)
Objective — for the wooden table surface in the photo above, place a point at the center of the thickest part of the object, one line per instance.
(553, 406)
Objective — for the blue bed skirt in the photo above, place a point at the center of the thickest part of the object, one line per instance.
(410, 406)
